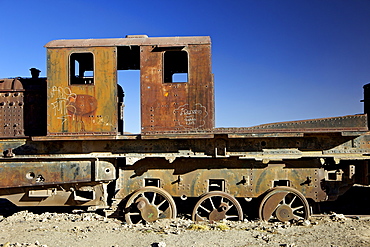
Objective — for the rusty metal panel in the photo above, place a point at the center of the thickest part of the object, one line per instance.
(202, 88)
(181, 106)
(82, 109)
(350, 123)
(11, 85)
(104, 171)
(31, 173)
(139, 40)
(78, 194)
(18, 174)
(191, 177)
(22, 107)
(11, 108)
(11, 111)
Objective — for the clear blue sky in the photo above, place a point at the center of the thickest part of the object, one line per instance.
(273, 60)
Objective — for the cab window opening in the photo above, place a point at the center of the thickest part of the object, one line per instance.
(81, 68)
(175, 67)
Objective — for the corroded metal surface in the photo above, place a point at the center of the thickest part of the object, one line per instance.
(11, 108)
(183, 106)
(191, 177)
(93, 195)
(22, 107)
(141, 41)
(80, 109)
(324, 125)
(89, 106)
(41, 173)
(11, 85)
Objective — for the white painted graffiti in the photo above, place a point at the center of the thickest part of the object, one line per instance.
(191, 117)
(186, 112)
(63, 98)
(68, 106)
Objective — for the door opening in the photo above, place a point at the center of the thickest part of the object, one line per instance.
(129, 80)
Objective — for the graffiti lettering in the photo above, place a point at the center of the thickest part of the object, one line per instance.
(63, 98)
(190, 112)
(191, 118)
(69, 106)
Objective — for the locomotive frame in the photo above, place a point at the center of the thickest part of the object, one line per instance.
(63, 143)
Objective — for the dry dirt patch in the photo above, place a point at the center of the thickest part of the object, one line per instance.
(89, 229)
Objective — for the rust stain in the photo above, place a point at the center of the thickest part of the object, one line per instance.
(82, 105)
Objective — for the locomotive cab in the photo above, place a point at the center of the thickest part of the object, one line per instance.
(82, 90)
(176, 84)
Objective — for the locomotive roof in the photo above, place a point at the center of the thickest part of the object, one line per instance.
(129, 40)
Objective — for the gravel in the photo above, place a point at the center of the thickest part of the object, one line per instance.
(26, 228)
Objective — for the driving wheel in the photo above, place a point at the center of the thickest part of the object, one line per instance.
(284, 204)
(216, 206)
(149, 204)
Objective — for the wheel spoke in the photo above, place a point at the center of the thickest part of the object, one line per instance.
(201, 217)
(284, 202)
(213, 206)
(160, 204)
(290, 204)
(295, 209)
(297, 217)
(232, 216)
(133, 213)
(208, 211)
(154, 195)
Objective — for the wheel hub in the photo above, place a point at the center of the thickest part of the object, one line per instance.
(148, 212)
(219, 213)
(284, 213)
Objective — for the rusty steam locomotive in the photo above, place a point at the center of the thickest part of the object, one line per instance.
(63, 143)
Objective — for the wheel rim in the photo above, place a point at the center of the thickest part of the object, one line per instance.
(284, 204)
(216, 206)
(149, 204)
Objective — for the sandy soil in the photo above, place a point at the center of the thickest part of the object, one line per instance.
(19, 227)
(89, 229)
